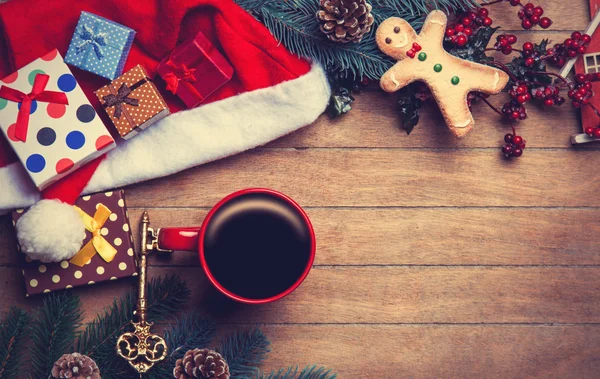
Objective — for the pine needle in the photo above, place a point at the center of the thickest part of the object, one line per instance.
(294, 23)
(244, 351)
(190, 332)
(53, 331)
(310, 372)
(11, 341)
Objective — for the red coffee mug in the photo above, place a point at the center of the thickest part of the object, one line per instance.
(251, 201)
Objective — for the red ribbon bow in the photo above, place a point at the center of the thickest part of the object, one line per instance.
(178, 73)
(38, 93)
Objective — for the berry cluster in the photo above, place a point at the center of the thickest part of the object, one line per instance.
(504, 43)
(468, 22)
(592, 132)
(550, 95)
(581, 91)
(571, 47)
(530, 54)
(514, 145)
(520, 93)
(514, 110)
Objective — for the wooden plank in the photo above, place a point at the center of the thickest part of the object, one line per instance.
(390, 351)
(414, 236)
(384, 295)
(387, 177)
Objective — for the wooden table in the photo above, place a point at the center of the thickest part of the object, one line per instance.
(437, 258)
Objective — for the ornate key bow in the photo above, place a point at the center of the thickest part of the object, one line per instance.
(141, 348)
(95, 40)
(117, 101)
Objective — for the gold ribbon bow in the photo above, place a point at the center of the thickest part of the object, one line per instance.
(97, 244)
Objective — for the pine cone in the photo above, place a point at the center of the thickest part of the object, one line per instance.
(201, 364)
(345, 20)
(75, 366)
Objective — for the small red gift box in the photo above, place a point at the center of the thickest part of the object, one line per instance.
(194, 70)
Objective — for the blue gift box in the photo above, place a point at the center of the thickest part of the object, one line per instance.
(100, 46)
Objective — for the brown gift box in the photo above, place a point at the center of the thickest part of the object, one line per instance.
(47, 277)
(132, 102)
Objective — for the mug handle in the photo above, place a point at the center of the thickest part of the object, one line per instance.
(178, 239)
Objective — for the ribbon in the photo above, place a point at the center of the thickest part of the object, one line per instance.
(97, 244)
(122, 97)
(179, 72)
(95, 40)
(37, 93)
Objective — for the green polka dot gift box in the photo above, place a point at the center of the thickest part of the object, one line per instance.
(48, 120)
(88, 266)
(100, 46)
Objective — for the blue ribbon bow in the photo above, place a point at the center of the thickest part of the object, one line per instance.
(95, 40)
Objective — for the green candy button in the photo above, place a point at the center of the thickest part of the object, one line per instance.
(33, 74)
(422, 56)
(437, 68)
(3, 103)
(455, 80)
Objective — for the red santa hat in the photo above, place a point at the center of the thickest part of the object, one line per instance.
(272, 92)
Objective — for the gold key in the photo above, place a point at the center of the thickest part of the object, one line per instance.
(141, 348)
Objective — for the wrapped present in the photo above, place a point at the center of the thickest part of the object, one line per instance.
(194, 70)
(132, 102)
(49, 121)
(107, 252)
(100, 46)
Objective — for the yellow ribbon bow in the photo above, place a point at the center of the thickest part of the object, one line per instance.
(97, 244)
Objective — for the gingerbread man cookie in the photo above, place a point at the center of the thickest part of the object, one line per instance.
(422, 57)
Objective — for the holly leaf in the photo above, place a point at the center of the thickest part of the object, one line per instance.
(474, 50)
(340, 103)
(409, 107)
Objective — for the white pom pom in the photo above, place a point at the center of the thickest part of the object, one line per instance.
(50, 231)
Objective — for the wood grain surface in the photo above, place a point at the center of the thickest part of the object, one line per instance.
(436, 257)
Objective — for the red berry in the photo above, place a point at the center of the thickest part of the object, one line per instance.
(568, 43)
(581, 49)
(526, 24)
(503, 41)
(514, 3)
(580, 78)
(589, 131)
(487, 21)
(549, 102)
(529, 62)
(508, 138)
(449, 32)
(586, 39)
(534, 19)
(529, 6)
(461, 40)
(528, 46)
(522, 89)
(576, 104)
(545, 22)
(517, 152)
(468, 32)
(507, 150)
(521, 14)
(459, 28)
(518, 140)
(596, 132)
(466, 21)
(576, 35)
(522, 98)
(538, 11)
(515, 115)
(511, 38)
(483, 12)
(506, 50)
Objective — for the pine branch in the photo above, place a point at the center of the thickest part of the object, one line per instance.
(53, 331)
(190, 332)
(244, 351)
(310, 372)
(166, 296)
(11, 342)
(294, 24)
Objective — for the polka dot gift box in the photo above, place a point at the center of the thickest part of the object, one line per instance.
(61, 132)
(132, 102)
(87, 266)
(100, 46)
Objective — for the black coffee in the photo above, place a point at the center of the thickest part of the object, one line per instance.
(257, 245)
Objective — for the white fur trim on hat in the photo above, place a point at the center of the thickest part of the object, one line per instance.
(196, 136)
